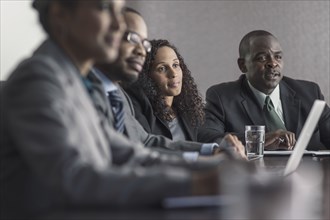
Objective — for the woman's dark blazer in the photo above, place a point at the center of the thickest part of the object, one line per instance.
(145, 114)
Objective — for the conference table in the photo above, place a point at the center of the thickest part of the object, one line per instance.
(303, 194)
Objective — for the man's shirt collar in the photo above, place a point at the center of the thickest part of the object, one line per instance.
(107, 84)
(261, 97)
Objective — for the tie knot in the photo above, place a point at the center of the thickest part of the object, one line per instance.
(114, 98)
(273, 121)
(268, 103)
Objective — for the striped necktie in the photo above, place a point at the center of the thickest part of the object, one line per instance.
(117, 106)
(273, 121)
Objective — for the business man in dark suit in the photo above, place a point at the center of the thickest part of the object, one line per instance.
(125, 69)
(232, 105)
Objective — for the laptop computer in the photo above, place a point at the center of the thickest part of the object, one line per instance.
(304, 137)
(292, 164)
(300, 147)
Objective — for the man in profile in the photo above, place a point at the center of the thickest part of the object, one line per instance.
(263, 96)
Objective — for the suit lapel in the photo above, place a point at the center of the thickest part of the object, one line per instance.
(129, 112)
(188, 129)
(82, 100)
(100, 99)
(164, 123)
(250, 104)
(290, 106)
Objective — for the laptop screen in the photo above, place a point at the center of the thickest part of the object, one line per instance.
(305, 136)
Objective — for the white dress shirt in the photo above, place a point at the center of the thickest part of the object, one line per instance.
(274, 96)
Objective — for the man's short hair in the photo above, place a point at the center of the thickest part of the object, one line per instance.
(244, 45)
(42, 6)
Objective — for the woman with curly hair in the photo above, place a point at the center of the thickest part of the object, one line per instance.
(165, 97)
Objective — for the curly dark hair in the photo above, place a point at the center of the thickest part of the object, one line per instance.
(189, 102)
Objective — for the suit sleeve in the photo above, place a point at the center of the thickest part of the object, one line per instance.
(214, 128)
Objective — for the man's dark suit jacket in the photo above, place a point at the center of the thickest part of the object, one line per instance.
(57, 153)
(145, 114)
(232, 105)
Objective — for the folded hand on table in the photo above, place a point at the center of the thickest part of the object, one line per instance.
(280, 140)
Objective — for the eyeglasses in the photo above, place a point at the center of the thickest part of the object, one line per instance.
(135, 39)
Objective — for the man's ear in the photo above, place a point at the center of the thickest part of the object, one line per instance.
(241, 65)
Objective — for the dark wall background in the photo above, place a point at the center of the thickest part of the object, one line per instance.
(207, 34)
